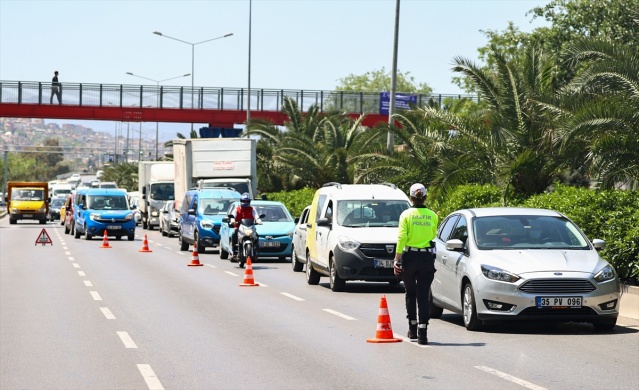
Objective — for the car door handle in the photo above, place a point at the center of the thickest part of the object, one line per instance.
(444, 259)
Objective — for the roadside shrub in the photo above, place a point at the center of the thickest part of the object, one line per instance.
(295, 201)
(611, 215)
(467, 196)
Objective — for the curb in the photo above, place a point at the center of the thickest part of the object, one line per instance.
(629, 305)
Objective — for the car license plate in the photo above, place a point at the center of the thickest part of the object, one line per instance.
(269, 244)
(559, 302)
(114, 227)
(27, 216)
(382, 263)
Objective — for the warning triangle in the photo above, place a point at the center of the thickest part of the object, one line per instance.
(43, 238)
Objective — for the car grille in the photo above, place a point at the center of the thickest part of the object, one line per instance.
(378, 251)
(111, 220)
(557, 286)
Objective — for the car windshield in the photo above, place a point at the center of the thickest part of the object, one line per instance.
(57, 202)
(214, 206)
(107, 202)
(367, 213)
(27, 194)
(527, 232)
(272, 213)
(163, 191)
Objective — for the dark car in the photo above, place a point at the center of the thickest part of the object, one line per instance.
(69, 219)
(169, 219)
(54, 209)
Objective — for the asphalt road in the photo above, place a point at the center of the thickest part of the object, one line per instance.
(77, 316)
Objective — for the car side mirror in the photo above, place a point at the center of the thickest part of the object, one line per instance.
(297, 220)
(323, 222)
(455, 245)
(191, 212)
(262, 216)
(225, 219)
(165, 211)
(599, 244)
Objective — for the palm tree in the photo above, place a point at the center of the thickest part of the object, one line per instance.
(169, 144)
(125, 175)
(312, 149)
(507, 139)
(606, 121)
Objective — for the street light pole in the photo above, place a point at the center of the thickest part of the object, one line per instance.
(192, 57)
(158, 103)
(391, 107)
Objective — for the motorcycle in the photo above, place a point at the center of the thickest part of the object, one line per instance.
(248, 241)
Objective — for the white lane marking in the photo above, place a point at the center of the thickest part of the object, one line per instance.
(81, 273)
(209, 265)
(66, 249)
(292, 296)
(231, 273)
(149, 377)
(167, 248)
(88, 283)
(180, 253)
(67, 252)
(76, 265)
(71, 258)
(511, 378)
(344, 316)
(95, 295)
(127, 340)
(107, 313)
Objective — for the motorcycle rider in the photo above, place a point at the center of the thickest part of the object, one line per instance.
(243, 211)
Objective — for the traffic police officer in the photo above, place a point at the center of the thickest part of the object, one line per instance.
(415, 260)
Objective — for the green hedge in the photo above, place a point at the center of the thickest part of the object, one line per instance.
(612, 216)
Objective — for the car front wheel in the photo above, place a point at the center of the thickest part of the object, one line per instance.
(312, 276)
(605, 325)
(295, 262)
(337, 284)
(470, 310)
(183, 245)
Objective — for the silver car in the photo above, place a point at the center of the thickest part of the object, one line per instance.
(298, 254)
(521, 264)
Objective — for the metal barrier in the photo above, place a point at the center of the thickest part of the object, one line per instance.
(127, 95)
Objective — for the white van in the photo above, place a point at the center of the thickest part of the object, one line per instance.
(352, 233)
(60, 190)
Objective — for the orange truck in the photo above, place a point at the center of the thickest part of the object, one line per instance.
(27, 200)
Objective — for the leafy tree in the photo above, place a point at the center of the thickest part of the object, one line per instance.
(125, 175)
(169, 144)
(380, 81)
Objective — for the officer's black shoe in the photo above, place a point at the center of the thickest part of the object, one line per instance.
(412, 332)
(422, 338)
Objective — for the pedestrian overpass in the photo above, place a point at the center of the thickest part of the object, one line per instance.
(219, 107)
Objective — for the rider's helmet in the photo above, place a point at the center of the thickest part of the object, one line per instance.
(245, 200)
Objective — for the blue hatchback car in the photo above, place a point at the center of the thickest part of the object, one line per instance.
(201, 216)
(275, 232)
(97, 210)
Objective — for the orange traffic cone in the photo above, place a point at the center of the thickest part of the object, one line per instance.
(195, 259)
(145, 245)
(105, 241)
(384, 332)
(248, 275)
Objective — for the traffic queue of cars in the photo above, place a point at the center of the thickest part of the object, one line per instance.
(493, 264)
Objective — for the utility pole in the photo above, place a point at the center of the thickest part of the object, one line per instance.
(391, 108)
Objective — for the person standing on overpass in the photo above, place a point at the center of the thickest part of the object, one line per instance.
(56, 88)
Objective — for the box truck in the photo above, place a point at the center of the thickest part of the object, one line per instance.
(214, 163)
(156, 188)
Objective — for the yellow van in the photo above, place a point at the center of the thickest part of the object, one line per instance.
(28, 201)
(352, 233)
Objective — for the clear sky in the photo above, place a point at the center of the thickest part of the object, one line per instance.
(295, 44)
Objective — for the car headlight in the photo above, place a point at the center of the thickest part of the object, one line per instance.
(42, 209)
(347, 243)
(94, 216)
(13, 210)
(129, 217)
(495, 273)
(206, 225)
(154, 213)
(290, 234)
(606, 273)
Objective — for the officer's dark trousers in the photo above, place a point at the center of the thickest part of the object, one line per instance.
(418, 273)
